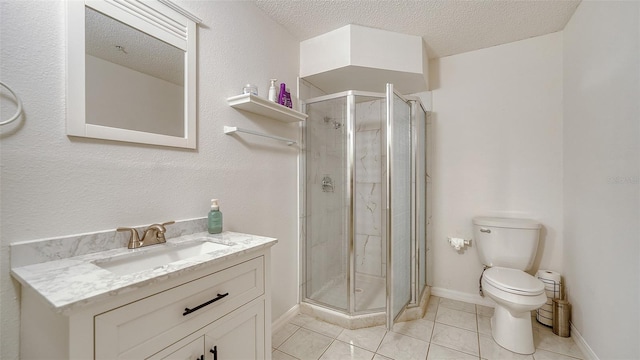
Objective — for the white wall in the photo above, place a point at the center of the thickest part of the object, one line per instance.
(601, 175)
(497, 150)
(160, 104)
(54, 185)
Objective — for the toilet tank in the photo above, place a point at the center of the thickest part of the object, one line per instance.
(506, 242)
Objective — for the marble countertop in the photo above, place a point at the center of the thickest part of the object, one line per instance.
(69, 283)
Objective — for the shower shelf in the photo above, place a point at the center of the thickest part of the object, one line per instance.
(264, 107)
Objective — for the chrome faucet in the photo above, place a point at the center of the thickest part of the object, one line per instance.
(153, 234)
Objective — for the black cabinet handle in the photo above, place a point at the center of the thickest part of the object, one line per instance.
(188, 311)
(200, 358)
(214, 351)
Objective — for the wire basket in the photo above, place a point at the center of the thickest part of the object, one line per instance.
(553, 290)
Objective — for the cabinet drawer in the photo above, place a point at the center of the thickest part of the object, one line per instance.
(239, 335)
(139, 329)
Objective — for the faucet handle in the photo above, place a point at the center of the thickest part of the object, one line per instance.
(134, 240)
(168, 223)
(160, 229)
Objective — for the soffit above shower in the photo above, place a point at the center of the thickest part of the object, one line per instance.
(360, 58)
(447, 27)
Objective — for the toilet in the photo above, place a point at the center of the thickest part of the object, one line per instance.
(508, 246)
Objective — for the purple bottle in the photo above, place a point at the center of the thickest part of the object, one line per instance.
(281, 95)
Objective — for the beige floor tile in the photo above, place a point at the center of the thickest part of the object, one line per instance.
(380, 357)
(420, 329)
(279, 355)
(366, 338)
(343, 351)
(484, 310)
(401, 347)
(437, 352)
(323, 328)
(283, 334)
(539, 326)
(455, 338)
(301, 319)
(306, 344)
(457, 305)
(450, 329)
(541, 354)
(457, 318)
(545, 339)
(484, 325)
(432, 309)
(490, 350)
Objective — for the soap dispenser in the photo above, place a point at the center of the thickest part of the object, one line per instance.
(273, 91)
(215, 218)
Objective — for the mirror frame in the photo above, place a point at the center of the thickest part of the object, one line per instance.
(160, 19)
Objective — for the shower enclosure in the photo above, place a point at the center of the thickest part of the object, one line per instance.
(364, 248)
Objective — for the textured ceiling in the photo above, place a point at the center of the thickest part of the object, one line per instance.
(142, 52)
(448, 27)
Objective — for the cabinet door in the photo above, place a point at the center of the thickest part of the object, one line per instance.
(239, 335)
(192, 351)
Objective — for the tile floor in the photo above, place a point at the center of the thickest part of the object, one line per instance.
(449, 330)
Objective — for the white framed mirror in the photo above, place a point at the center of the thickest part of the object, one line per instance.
(131, 72)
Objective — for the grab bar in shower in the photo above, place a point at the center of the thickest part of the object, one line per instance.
(233, 129)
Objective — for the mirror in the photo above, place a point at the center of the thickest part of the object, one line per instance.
(142, 78)
(131, 72)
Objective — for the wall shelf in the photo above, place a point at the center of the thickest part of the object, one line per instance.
(264, 107)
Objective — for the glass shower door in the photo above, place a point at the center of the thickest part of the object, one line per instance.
(399, 163)
(327, 204)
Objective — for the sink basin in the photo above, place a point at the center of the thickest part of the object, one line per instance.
(128, 264)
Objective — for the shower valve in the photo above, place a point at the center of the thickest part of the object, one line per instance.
(327, 184)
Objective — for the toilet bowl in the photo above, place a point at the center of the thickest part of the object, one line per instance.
(516, 294)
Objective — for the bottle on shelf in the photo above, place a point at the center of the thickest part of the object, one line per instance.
(273, 91)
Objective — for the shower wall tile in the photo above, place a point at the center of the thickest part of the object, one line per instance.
(370, 115)
(368, 156)
(369, 255)
(369, 209)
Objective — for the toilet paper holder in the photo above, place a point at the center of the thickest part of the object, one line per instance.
(458, 243)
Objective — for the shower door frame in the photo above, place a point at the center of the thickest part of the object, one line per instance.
(350, 96)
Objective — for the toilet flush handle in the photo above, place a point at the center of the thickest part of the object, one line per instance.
(488, 231)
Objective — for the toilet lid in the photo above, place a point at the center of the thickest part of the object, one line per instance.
(514, 281)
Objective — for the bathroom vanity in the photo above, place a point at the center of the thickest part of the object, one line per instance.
(213, 302)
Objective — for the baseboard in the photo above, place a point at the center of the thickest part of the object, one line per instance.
(462, 296)
(582, 344)
(284, 319)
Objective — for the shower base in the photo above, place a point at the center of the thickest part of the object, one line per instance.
(370, 293)
(370, 300)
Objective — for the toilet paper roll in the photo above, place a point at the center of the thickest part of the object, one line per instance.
(458, 243)
(553, 288)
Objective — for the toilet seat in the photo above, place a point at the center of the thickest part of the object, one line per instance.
(513, 281)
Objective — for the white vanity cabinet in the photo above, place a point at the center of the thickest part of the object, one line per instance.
(219, 312)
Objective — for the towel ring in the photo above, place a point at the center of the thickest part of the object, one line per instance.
(18, 111)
